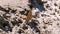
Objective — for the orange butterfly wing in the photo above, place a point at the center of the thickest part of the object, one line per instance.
(29, 16)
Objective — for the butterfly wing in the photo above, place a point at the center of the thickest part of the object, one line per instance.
(29, 16)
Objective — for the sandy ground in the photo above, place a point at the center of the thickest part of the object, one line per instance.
(44, 16)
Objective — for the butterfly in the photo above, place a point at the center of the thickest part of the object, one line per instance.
(29, 16)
